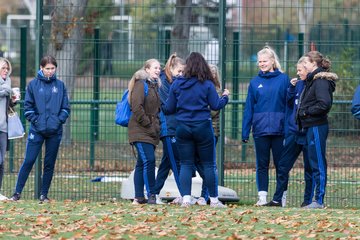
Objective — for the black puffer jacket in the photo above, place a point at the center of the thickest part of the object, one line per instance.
(316, 98)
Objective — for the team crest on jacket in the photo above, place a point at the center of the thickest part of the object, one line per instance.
(54, 89)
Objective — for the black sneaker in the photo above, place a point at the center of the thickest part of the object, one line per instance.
(304, 204)
(152, 199)
(44, 198)
(15, 197)
(273, 204)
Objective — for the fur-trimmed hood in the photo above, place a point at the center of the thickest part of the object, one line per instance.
(327, 75)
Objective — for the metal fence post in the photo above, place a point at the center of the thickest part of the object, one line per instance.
(94, 126)
(23, 69)
(167, 43)
(164, 44)
(39, 53)
(301, 44)
(235, 80)
(346, 30)
(222, 51)
(23, 57)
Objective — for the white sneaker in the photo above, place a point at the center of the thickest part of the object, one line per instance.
(158, 200)
(3, 198)
(185, 204)
(217, 204)
(262, 198)
(201, 201)
(315, 205)
(193, 200)
(177, 201)
(261, 202)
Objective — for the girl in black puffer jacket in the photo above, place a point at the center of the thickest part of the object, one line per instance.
(314, 105)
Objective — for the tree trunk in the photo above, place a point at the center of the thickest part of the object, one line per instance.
(181, 30)
(305, 16)
(65, 44)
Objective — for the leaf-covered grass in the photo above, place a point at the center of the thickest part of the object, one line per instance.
(122, 220)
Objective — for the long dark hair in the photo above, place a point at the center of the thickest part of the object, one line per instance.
(196, 66)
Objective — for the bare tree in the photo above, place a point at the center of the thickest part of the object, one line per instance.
(65, 43)
(181, 30)
(305, 16)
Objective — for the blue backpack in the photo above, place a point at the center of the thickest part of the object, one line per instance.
(123, 110)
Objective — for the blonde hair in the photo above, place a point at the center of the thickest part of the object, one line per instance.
(4, 61)
(215, 72)
(172, 62)
(141, 74)
(272, 54)
(302, 60)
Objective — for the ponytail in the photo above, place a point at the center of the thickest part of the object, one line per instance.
(169, 64)
(319, 59)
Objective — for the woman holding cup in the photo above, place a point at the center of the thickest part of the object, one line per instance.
(6, 101)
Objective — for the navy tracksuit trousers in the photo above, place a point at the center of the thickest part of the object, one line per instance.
(294, 144)
(197, 139)
(316, 143)
(199, 168)
(170, 160)
(144, 169)
(263, 145)
(33, 147)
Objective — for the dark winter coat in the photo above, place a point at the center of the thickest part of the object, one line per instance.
(144, 124)
(316, 99)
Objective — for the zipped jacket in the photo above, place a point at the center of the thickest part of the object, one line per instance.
(46, 104)
(265, 105)
(144, 124)
(316, 98)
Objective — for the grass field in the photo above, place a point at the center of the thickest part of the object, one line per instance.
(121, 220)
(342, 193)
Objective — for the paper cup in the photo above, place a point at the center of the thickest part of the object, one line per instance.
(16, 94)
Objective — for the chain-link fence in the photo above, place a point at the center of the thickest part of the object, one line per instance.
(100, 44)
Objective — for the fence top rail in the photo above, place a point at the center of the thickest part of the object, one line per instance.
(334, 102)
